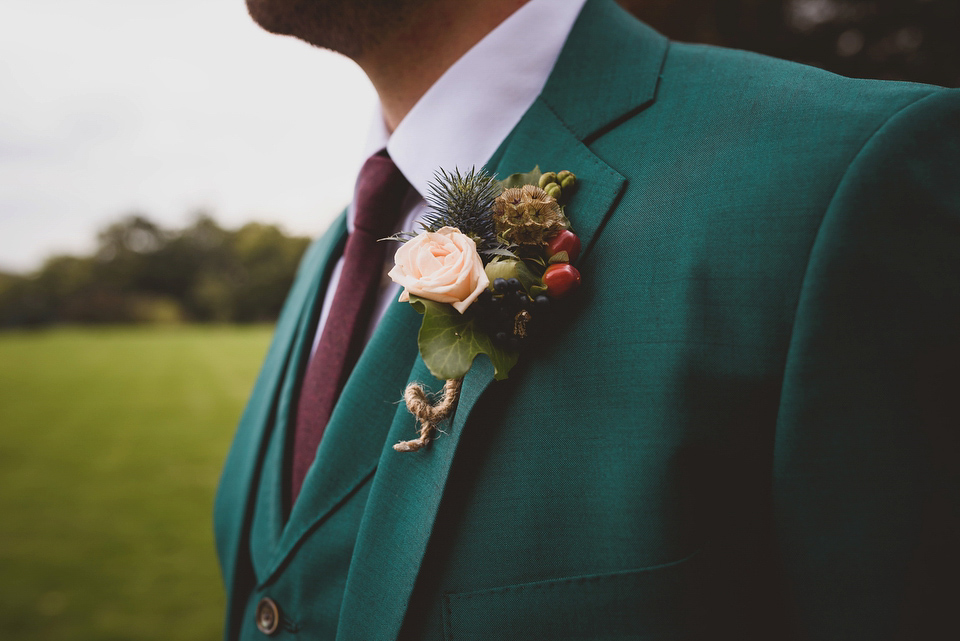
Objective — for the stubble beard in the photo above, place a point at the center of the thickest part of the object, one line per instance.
(350, 27)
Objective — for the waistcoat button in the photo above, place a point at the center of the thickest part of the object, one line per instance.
(268, 616)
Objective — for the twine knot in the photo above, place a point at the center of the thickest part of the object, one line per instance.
(428, 414)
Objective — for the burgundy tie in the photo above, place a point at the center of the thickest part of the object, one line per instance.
(379, 195)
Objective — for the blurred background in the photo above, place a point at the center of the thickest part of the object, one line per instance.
(162, 168)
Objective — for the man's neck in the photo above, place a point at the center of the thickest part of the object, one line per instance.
(405, 65)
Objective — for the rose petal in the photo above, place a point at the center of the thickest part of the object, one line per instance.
(442, 266)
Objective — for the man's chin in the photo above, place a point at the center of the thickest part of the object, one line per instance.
(323, 23)
(274, 16)
(349, 27)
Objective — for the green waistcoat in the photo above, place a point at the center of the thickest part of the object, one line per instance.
(744, 425)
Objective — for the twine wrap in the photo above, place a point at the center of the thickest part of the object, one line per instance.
(428, 415)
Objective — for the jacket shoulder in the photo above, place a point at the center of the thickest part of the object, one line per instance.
(741, 84)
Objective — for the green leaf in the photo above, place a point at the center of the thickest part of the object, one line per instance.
(519, 180)
(560, 257)
(499, 268)
(449, 341)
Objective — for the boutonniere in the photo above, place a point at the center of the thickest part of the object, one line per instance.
(491, 261)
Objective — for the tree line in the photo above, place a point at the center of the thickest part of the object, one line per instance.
(141, 272)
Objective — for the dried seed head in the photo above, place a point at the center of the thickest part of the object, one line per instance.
(527, 215)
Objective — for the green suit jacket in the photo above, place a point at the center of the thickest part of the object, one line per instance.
(744, 425)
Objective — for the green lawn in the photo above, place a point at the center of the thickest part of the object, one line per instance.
(111, 442)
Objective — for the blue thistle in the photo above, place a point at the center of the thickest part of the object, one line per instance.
(464, 201)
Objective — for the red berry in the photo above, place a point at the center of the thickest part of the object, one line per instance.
(561, 279)
(565, 241)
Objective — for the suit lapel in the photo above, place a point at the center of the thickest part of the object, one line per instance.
(270, 515)
(355, 435)
(233, 505)
(407, 489)
(609, 54)
(542, 139)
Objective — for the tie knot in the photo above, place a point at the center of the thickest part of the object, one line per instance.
(381, 188)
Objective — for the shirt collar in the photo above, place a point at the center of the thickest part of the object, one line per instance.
(462, 119)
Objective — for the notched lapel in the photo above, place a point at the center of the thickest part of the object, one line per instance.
(541, 138)
(607, 48)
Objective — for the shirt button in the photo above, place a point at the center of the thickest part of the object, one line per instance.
(268, 616)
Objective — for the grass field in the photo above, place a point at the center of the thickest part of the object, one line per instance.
(111, 442)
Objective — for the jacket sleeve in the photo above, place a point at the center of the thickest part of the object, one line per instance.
(866, 454)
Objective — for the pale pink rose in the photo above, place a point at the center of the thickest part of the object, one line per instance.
(441, 266)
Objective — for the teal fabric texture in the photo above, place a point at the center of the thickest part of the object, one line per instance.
(743, 425)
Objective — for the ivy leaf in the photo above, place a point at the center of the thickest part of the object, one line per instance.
(449, 341)
(519, 180)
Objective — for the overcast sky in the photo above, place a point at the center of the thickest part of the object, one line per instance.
(113, 106)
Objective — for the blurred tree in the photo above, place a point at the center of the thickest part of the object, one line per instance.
(188, 257)
(912, 40)
(141, 272)
(267, 262)
(20, 306)
(123, 257)
(70, 290)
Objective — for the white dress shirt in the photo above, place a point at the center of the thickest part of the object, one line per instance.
(462, 119)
